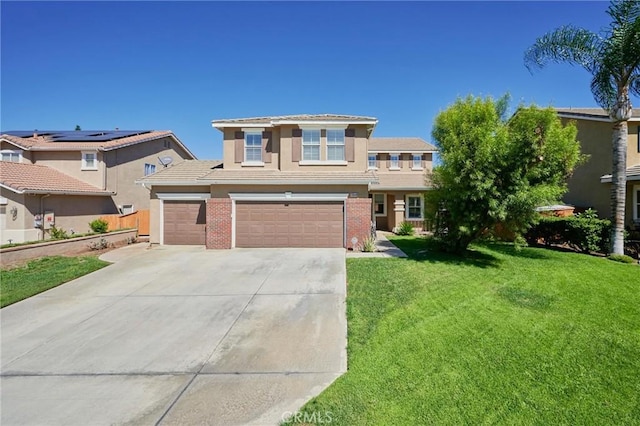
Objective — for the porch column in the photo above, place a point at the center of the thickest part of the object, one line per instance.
(398, 212)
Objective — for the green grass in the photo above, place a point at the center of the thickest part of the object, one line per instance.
(42, 274)
(500, 336)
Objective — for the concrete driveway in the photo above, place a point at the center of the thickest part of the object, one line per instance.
(178, 335)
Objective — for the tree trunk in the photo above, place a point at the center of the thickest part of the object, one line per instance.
(618, 186)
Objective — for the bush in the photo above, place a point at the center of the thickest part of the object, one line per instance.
(583, 232)
(621, 258)
(99, 244)
(58, 233)
(369, 245)
(99, 225)
(405, 228)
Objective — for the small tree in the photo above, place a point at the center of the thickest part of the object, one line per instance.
(494, 170)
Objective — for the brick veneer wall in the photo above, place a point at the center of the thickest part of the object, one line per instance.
(358, 220)
(218, 223)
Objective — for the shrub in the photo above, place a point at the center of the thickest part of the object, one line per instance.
(99, 244)
(58, 233)
(369, 245)
(405, 228)
(583, 232)
(99, 225)
(622, 258)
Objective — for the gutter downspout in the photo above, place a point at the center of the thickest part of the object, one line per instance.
(42, 213)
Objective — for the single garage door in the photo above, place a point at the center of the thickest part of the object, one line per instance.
(184, 222)
(292, 224)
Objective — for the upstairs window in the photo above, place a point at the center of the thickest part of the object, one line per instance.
(373, 161)
(417, 161)
(89, 161)
(335, 145)
(149, 169)
(311, 145)
(14, 156)
(394, 161)
(253, 147)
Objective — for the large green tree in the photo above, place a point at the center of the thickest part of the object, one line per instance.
(613, 60)
(496, 170)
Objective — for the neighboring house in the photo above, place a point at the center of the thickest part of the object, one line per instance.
(68, 178)
(401, 165)
(288, 181)
(590, 185)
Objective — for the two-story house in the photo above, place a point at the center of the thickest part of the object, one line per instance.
(590, 185)
(401, 165)
(68, 178)
(287, 181)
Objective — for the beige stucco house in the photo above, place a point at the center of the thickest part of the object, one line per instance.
(68, 178)
(590, 185)
(291, 181)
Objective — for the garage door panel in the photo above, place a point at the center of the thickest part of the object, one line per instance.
(184, 222)
(292, 224)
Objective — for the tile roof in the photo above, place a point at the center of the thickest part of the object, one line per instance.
(26, 178)
(400, 144)
(400, 181)
(632, 173)
(185, 171)
(595, 113)
(205, 172)
(44, 143)
(297, 118)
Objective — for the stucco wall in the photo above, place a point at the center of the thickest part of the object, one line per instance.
(585, 189)
(126, 165)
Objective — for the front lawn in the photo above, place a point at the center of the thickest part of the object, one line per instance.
(42, 274)
(500, 336)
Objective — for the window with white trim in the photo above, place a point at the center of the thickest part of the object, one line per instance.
(335, 144)
(394, 161)
(149, 169)
(373, 161)
(127, 208)
(253, 147)
(414, 207)
(417, 161)
(89, 161)
(12, 155)
(311, 145)
(379, 204)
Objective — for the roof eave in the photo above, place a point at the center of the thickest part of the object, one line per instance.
(286, 182)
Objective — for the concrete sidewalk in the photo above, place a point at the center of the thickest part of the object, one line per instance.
(384, 248)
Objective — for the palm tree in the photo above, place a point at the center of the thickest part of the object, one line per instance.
(613, 60)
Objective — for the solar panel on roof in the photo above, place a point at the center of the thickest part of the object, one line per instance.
(78, 135)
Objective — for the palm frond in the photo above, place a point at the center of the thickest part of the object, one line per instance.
(568, 44)
(623, 12)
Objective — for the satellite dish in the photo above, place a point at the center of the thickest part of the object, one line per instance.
(165, 161)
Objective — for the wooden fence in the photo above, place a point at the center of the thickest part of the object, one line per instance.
(138, 219)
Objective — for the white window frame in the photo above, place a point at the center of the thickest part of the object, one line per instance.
(311, 143)
(84, 160)
(11, 153)
(334, 141)
(129, 207)
(417, 157)
(384, 204)
(252, 134)
(149, 169)
(391, 166)
(373, 166)
(408, 206)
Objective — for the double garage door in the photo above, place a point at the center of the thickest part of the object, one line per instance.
(261, 224)
(292, 224)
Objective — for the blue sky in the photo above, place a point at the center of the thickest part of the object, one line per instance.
(179, 65)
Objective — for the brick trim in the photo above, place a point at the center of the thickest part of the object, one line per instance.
(358, 212)
(219, 223)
